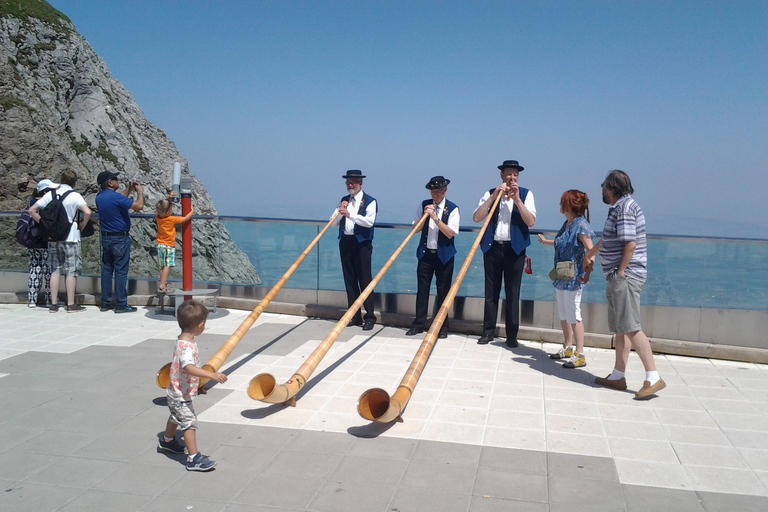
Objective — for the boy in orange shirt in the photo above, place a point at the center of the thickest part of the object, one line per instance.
(166, 239)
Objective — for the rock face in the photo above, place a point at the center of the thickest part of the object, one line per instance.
(61, 109)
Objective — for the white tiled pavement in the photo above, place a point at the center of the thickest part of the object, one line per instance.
(706, 431)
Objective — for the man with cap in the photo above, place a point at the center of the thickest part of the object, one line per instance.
(358, 211)
(113, 207)
(435, 252)
(503, 245)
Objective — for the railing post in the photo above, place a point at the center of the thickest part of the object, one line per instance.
(186, 236)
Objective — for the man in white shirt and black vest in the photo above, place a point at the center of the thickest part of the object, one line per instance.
(503, 245)
(358, 211)
(435, 252)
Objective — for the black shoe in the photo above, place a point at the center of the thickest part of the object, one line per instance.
(413, 331)
(485, 339)
(355, 323)
(368, 325)
(442, 335)
(105, 307)
(125, 309)
(511, 342)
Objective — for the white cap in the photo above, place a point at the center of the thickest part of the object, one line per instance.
(44, 184)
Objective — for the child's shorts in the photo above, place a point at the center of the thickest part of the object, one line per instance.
(182, 414)
(166, 256)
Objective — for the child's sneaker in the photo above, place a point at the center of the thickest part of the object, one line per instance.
(563, 353)
(200, 463)
(575, 361)
(172, 446)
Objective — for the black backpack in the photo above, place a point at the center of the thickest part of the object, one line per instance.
(54, 222)
(28, 231)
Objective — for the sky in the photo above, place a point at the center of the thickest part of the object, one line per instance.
(272, 101)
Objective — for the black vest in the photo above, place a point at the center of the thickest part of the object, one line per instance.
(445, 247)
(518, 229)
(362, 234)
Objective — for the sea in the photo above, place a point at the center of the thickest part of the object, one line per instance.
(682, 271)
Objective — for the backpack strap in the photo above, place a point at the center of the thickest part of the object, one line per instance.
(64, 196)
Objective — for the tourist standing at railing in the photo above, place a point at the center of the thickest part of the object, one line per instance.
(64, 256)
(623, 256)
(503, 245)
(115, 222)
(39, 267)
(435, 252)
(358, 210)
(571, 243)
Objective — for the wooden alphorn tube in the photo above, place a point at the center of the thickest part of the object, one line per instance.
(264, 387)
(376, 404)
(217, 360)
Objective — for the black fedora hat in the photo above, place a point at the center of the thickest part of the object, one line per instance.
(354, 173)
(511, 163)
(437, 182)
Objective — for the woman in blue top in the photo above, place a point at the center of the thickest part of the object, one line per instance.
(571, 243)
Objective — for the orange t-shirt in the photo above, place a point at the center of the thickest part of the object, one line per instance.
(166, 230)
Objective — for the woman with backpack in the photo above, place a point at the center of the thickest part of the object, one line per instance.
(39, 270)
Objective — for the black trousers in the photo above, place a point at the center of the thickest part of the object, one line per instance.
(428, 266)
(501, 261)
(356, 267)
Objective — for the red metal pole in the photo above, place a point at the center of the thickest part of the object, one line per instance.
(186, 237)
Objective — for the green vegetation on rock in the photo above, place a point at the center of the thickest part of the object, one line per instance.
(40, 9)
(9, 102)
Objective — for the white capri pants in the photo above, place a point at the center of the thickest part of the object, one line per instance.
(569, 305)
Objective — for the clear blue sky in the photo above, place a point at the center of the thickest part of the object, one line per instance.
(272, 101)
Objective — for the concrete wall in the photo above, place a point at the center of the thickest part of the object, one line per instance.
(721, 333)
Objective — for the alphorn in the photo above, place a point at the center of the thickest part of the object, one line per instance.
(213, 365)
(264, 387)
(376, 404)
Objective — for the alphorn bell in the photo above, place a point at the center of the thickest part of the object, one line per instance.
(264, 387)
(213, 365)
(376, 404)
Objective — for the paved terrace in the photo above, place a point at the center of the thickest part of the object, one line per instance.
(487, 428)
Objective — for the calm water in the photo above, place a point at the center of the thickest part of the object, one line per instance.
(711, 273)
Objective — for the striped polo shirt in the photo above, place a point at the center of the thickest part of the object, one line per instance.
(625, 223)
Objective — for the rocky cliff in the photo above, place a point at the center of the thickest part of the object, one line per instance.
(61, 109)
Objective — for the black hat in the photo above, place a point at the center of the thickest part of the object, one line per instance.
(437, 182)
(353, 174)
(511, 163)
(105, 176)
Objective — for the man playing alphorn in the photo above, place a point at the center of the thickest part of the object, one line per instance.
(435, 251)
(356, 244)
(503, 246)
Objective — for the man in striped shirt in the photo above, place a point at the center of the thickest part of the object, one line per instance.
(623, 256)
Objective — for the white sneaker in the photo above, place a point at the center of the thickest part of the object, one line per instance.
(563, 353)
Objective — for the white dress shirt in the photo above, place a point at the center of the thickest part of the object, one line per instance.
(453, 223)
(505, 214)
(365, 219)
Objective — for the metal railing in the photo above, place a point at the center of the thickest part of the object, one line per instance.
(683, 271)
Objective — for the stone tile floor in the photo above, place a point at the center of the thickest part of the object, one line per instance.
(487, 428)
